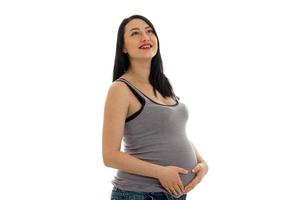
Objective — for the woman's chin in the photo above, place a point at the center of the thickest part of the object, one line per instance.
(145, 57)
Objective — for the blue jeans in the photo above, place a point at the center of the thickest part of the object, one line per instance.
(118, 194)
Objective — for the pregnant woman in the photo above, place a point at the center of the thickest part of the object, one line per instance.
(159, 162)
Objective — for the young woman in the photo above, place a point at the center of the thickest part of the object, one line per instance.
(142, 109)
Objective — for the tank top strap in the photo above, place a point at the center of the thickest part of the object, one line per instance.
(139, 95)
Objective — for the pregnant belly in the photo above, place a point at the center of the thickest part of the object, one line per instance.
(180, 154)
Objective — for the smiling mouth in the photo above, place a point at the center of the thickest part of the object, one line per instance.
(147, 46)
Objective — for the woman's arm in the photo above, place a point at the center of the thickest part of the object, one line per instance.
(115, 111)
(199, 158)
(200, 170)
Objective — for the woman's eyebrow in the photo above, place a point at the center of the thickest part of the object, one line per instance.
(138, 28)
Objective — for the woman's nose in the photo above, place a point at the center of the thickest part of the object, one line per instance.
(145, 37)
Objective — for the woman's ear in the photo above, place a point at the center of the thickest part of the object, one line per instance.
(124, 50)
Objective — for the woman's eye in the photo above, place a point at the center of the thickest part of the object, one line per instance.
(134, 33)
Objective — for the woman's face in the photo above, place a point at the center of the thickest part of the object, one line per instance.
(139, 40)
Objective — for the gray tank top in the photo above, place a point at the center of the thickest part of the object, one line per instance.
(156, 133)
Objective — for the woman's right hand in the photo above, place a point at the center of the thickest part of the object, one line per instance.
(169, 178)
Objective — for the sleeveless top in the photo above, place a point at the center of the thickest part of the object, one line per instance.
(156, 133)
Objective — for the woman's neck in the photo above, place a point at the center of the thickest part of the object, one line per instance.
(139, 71)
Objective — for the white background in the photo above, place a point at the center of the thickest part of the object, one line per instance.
(235, 64)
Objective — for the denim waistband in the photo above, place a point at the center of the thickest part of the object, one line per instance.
(152, 193)
(147, 194)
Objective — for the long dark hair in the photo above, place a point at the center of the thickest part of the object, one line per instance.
(157, 78)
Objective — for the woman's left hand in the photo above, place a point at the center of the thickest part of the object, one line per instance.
(200, 170)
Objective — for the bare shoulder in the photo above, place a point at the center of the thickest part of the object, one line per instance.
(119, 89)
(118, 94)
